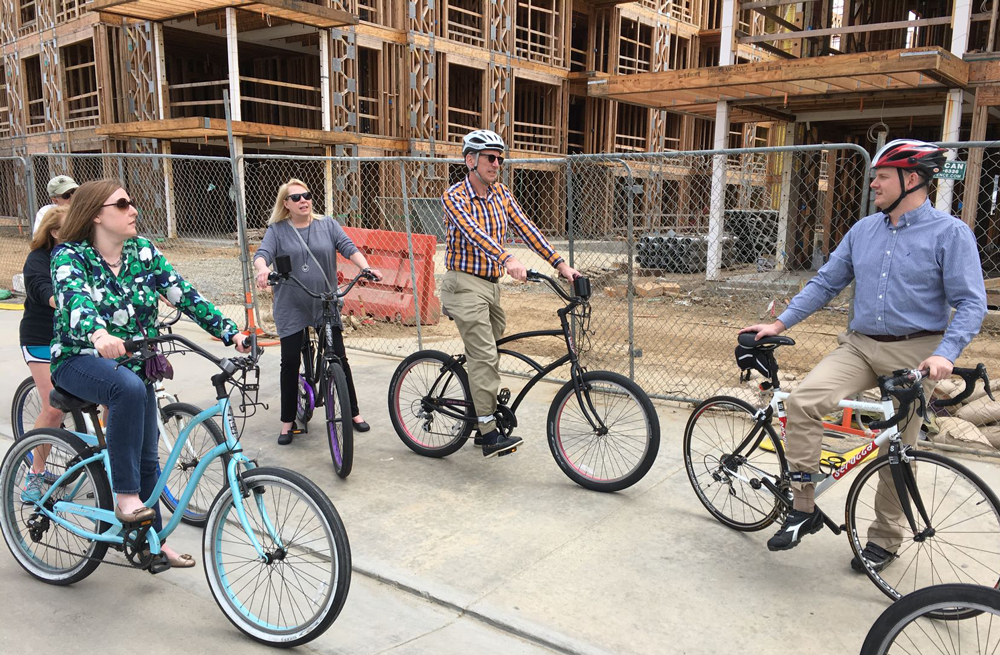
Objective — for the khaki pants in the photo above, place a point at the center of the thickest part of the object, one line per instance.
(474, 303)
(851, 368)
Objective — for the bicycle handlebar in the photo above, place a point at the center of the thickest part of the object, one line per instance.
(581, 285)
(969, 375)
(143, 348)
(366, 273)
(905, 386)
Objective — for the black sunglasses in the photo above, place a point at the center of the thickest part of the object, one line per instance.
(295, 197)
(493, 158)
(68, 194)
(121, 204)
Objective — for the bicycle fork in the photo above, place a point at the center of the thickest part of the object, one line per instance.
(906, 488)
(240, 491)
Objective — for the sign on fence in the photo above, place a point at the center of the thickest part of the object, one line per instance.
(953, 170)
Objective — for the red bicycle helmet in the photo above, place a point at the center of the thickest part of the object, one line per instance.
(924, 159)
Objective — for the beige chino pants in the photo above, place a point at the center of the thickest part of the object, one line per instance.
(851, 368)
(474, 303)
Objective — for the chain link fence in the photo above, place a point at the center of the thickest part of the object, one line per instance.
(16, 216)
(186, 205)
(683, 248)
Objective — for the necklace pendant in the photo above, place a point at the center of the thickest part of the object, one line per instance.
(305, 268)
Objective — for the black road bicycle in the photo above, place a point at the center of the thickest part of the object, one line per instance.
(602, 428)
(322, 381)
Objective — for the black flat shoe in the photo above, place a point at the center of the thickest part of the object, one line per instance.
(361, 426)
(284, 438)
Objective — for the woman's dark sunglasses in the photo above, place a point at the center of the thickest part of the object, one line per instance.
(122, 204)
(493, 158)
(295, 197)
(68, 194)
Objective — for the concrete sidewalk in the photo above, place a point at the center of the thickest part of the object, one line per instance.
(513, 543)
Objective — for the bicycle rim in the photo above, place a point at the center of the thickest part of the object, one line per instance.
(294, 596)
(54, 554)
(612, 458)
(969, 623)
(964, 544)
(731, 492)
(26, 407)
(339, 425)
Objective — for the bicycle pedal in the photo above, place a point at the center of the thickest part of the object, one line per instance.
(298, 431)
(158, 564)
(508, 452)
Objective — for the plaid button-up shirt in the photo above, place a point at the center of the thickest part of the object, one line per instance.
(477, 230)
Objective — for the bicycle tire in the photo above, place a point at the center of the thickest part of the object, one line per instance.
(198, 444)
(339, 425)
(614, 460)
(22, 416)
(308, 515)
(410, 384)
(722, 422)
(977, 633)
(305, 402)
(937, 477)
(40, 558)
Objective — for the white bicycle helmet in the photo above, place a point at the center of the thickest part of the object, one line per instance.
(480, 140)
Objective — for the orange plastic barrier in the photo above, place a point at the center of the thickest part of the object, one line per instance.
(392, 298)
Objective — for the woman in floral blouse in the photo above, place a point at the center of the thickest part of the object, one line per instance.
(106, 282)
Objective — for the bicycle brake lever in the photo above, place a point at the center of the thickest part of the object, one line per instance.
(984, 376)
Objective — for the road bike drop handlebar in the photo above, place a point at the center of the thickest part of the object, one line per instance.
(904, 385)
(581, 286)
(283, 272)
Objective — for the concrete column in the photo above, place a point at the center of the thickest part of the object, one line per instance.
(961, 19)
(717, 200)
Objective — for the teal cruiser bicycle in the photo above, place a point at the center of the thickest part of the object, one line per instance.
(275, 551)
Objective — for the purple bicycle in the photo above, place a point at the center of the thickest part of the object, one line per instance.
(322, 382)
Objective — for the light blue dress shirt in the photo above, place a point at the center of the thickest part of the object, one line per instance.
(909, 277)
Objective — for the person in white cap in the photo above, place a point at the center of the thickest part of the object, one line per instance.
(60, 189)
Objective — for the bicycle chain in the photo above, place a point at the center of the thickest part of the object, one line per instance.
(91, 558)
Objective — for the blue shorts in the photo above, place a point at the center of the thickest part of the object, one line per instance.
(33, 354)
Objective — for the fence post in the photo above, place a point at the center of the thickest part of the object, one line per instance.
(29, 175)
(409, 246)
(630, 287)
(570, 212)
(249, 293)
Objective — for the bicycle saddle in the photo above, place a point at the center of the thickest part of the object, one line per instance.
(65, 401)
(747, 341)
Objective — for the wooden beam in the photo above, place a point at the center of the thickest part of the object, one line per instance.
(161, 10)
(771, 3)
(766, 13)
(935, 62)
(847, 29)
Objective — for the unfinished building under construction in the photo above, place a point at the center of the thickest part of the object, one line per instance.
(375, 78)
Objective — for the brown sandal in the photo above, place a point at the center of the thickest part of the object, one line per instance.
(141, 515)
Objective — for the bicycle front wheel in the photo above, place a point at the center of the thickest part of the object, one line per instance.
(339, 422)
(202, 439)
(909, 626)
(26, 407)
(725, 477)
(44, 548)
(610, 442)
(420, 389)
(962, 542)
(295, 593)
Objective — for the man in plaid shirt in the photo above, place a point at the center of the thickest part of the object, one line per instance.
(477, 213)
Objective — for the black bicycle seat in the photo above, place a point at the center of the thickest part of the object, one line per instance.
(66, 402)
(747, 340)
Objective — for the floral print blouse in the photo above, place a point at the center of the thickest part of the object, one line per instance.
(89, 296)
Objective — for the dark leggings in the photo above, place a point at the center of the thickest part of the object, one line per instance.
(291, 359)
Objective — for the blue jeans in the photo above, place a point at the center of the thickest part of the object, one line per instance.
(131, 433)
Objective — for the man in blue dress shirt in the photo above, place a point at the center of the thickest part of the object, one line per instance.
(912, 264)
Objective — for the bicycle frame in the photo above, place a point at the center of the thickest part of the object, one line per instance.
(576, 371)
(112, 535)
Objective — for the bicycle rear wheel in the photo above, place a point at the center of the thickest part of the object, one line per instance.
(727, 482)
(416, 414)
(26, 407)
(51, 552)
(296, 594)
(908, 626)
(203, 438)
(339, 423)
(962, 542)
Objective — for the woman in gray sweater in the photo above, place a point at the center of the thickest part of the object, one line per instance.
(312, 242)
